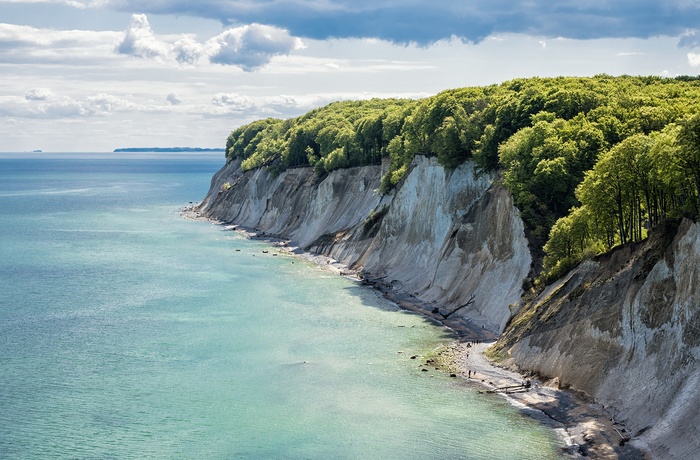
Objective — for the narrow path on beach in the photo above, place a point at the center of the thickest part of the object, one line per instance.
(484, 370)
(584, 426)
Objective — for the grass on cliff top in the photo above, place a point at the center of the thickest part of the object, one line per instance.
(497, 352)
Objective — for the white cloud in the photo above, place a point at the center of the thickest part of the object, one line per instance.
(173, 99)
(25, 44)
(104, 104)
(73, 3)
(38, 94)
(694, 59)
(689, 40)
(251, 46)
(227, 104)
(42, 103)
(59, 107)
(248, 47)
(62, 108)
(233, 102)
(140, 41)
(188, 50)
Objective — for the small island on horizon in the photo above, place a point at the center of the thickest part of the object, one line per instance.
(168, 149)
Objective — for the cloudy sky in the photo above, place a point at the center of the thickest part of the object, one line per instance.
(94, 75)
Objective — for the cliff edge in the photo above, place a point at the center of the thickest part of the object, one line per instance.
(447, 239)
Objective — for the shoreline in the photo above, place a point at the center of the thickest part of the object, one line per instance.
(584, 428)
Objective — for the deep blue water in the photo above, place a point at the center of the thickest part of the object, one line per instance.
(127, 331)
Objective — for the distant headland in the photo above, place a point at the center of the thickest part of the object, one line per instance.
(167, 149)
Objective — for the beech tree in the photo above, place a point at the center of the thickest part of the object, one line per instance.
(689, 152)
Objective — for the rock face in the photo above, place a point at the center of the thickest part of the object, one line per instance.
(441, 237)
(625, 329)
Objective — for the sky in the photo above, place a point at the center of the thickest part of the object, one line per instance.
(95, 75)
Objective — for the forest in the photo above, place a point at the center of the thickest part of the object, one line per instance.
(591, 163)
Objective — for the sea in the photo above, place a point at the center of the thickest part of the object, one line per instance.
(130, 332)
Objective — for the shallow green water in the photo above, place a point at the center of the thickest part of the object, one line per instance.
(127, 331)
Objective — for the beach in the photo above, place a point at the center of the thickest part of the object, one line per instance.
(586, 428)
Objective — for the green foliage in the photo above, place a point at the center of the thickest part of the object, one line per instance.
(636, 185)
(569, 239)
(337, 159)
(375, 216)
(341, 134)
(542, 165)
(242, 142)
(400, 160)
(688, 153)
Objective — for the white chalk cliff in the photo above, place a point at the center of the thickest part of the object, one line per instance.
(444, 237)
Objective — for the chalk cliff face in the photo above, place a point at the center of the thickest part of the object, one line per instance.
(625, 329)
(442, 236)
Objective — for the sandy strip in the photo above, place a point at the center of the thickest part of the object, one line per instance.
(586, 429)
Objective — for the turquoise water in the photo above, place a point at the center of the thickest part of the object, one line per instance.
(127, 331)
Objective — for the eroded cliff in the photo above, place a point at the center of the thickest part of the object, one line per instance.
(625, 329)
(444, 237)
